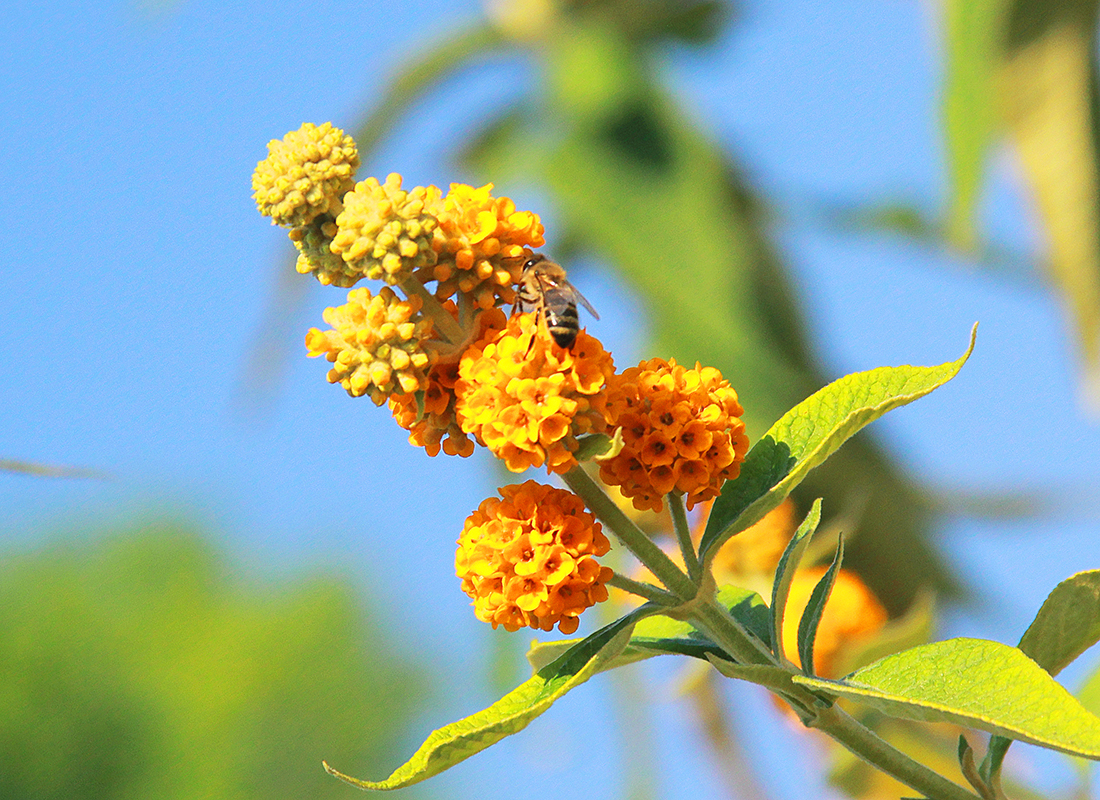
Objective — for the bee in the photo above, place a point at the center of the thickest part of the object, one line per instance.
(545, 290)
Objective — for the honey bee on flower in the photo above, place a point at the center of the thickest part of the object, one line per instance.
(545, 290)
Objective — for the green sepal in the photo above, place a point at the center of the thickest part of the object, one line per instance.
(809, 433)
(815, 609)
(1068, 623)
(975, 683)
(458, 741)
(784, 574)
(660, 635)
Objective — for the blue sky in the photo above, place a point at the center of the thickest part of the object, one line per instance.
(140, 275)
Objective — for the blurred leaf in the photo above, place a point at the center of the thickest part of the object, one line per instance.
(1048, 92)
(809, 433)
(975, 683)
(143, 666)
(40, 470)
(974, 38)
(456, 742)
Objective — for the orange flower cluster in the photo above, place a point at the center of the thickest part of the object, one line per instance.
(482, 242)
(681, 430)
(851, 613)
(529, 559)
(527, 399)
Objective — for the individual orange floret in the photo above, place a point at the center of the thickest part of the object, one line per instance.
(852, 613)
(528, 399)
(681, 431)
(529, 559)
(481, 242)
(430, 418)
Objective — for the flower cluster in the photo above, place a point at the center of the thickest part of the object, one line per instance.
(529, 559)
(435, 344)
(375, 345)
(385, 232)
(527, 399)
(482, 242)
(305, 174)
(681, 430)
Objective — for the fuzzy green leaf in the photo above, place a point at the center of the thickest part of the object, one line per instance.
(1066, 626)
(784, 574)
(458, 741)
(812, 431)
(977, 684)
(815, 608)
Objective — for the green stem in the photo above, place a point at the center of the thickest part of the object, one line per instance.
(646, 590)
(872, 748)
(683, 536)
(728, 634)
(446, 324)
(653, 557)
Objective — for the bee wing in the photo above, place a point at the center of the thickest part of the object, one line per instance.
(580, 297)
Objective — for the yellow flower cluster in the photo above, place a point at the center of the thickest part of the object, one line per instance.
(681, 430)
(852, 613)
(375, 346)
(305, 174)
(384, 232)
(527, 399)
(529, 559)
(481, 241)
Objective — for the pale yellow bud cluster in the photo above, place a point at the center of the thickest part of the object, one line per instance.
(305, 174)
(384, 232)
(375, 345)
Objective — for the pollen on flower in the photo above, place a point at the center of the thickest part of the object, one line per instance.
(527, 399)
(481, 241)
(529, 559)
(385, 232)
(681, 430)
(305, 174)
(852, 613)
(375, 346)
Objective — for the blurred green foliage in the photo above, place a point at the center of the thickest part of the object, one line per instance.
(143, 664)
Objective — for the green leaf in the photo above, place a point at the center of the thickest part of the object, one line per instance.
(458, 741)
(977, 684)
(974, 34)
(815, 607)
(660, 635)
(784, 574)
(1067, 624)
(811, 432)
